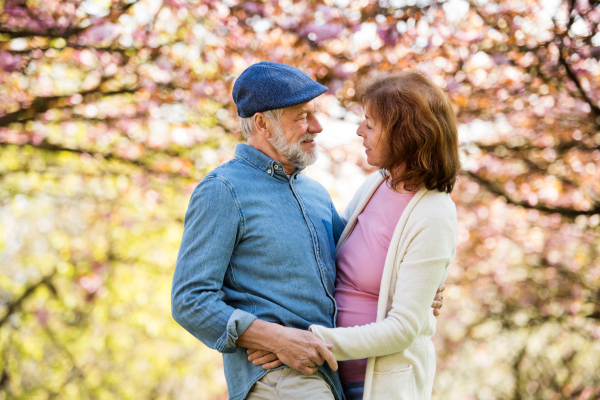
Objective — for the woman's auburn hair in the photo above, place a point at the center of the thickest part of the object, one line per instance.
(417, 122)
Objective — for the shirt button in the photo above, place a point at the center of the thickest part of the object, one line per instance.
(276, 166)
(268, 171)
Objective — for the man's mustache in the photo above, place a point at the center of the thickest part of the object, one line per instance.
(308, 137)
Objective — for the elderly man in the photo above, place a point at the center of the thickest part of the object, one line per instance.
(258, 248)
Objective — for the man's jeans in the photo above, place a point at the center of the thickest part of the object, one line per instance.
(289, 384)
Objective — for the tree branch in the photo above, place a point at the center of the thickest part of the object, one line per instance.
(45, 145)
(51, 34)
(594, 107)
(519, 154)
(76, 371)
(496, 189)
(43, 104)
(54, 33)
(519, 381)
(28, 52)
(572, 4)
(12, 307)
(4, 378)
(560, 148)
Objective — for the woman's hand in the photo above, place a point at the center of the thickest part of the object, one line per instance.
(265, 358)
(438, 300)
(296, 348)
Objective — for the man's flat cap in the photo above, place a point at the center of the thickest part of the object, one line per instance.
(268, 86)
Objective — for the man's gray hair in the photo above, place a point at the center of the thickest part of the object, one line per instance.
(247, 124)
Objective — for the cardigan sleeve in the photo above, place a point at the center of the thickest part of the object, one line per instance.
(421, 271)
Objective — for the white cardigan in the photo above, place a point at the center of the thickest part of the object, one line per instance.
(401, 355)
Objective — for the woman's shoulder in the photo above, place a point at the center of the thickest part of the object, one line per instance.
(436, 204)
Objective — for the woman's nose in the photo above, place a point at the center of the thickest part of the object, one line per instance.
(360, 130)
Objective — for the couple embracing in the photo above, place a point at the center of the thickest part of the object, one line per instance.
(269, 273)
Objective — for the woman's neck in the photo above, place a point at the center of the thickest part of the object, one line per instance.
(399, 187)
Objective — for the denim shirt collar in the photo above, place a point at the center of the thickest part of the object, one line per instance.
(261, 161)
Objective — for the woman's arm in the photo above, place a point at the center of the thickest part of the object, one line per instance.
(299, 349)
(421, 271)
(270, 360)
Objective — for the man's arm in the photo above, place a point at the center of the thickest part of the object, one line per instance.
(213, 226)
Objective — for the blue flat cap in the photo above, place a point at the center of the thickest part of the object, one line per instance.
(268, 86)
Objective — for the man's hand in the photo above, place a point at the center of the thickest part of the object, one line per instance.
(303, 351)
(438, 300)
(295, 348)
(265, 358)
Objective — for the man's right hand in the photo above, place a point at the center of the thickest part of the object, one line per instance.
(303, 351)
(296, 348)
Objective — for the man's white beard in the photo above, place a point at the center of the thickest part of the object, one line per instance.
(293, 151)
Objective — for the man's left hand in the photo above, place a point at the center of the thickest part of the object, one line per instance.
(265, 358)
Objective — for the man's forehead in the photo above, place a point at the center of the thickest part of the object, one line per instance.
(311, 105)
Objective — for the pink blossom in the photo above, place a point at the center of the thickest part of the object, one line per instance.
(323, 32)
(100, 33)
(9, 62)
(388, 34)
(253, 8)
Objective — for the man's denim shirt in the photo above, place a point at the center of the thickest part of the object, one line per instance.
(255, 245)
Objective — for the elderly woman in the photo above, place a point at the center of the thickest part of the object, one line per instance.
(399, 241)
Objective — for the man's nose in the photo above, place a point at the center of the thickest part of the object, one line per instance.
(314, 125)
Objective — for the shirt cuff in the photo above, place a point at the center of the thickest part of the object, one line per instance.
(238, 322)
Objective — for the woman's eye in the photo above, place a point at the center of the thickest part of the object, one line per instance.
(368, 127)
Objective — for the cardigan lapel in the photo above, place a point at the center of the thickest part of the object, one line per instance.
(361, 206)
(393, 258)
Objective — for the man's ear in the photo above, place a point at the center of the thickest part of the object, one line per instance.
(262, 125)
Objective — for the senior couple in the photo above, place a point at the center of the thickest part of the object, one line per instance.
(271, 276)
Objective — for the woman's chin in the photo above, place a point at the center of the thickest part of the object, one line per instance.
(372, 162)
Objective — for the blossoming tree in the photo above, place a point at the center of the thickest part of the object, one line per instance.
(111, 112)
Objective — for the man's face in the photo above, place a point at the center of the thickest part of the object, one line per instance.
(294, 138)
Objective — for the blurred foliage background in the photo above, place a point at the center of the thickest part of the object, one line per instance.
(112, 111)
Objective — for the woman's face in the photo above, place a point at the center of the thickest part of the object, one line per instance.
(373, 141)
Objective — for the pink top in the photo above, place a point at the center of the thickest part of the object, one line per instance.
(360, 264)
